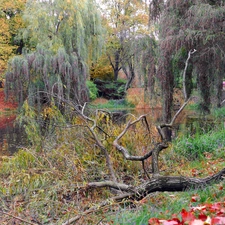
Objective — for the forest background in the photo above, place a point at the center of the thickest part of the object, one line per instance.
(57, 57)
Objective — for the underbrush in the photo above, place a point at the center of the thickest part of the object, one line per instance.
(48, 184)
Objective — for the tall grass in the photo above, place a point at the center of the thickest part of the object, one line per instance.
(195, 146)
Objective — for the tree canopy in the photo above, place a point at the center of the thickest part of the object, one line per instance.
(127, 26)
(11, 22)
(188, 25)
(60, 38)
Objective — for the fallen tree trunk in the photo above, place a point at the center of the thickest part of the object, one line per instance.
(160, 184)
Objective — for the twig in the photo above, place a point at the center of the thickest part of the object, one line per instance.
(143, 166)
(18, 218)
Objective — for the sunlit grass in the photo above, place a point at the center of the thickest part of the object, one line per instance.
(195, 146)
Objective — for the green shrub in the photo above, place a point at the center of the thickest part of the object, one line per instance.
(93, 90)
(219, 113)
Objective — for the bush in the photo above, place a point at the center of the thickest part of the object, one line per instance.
(93, 90)
(219, 113)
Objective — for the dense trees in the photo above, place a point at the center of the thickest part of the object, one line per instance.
(128, 35)
(60, 38)
(184, 26)
(11, 21)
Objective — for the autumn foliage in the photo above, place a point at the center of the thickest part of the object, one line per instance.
(6, 104)
(208, 214)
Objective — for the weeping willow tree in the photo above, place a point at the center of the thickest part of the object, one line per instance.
(60, 38)
(42, 75)
(184, 26)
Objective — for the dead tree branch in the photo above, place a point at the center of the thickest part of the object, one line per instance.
(160, 183)
(99, 143)
(156, 182)
(185, 71)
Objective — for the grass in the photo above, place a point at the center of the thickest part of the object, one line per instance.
(195, 146)
(115, 104)
(167, 205)
(219, 113)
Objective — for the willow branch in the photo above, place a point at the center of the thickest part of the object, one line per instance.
(185, 98)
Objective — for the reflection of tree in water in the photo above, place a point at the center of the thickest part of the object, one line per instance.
(12, 137)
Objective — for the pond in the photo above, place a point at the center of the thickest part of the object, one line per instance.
(12, 137)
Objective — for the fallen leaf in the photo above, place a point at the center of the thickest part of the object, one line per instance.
(197, 222)
(218, 220)
(187, 216)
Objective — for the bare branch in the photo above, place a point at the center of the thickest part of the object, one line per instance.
(176, 115)
(125, 152)
(185, 71)
(111, 184)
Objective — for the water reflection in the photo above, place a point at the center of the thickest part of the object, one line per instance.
(12, 136)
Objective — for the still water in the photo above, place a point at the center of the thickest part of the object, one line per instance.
(12, 137)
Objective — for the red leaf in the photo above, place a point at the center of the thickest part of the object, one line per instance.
(194, 198)
(202, 217)
(196, 222)
(187, 216)
(171, 222)
(218, 220)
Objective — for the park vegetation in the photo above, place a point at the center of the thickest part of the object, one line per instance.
(81, 159)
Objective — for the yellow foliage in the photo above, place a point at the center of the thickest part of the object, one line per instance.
(102, 70)
(9, 28)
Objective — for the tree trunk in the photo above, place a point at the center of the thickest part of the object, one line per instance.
(116, 67)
